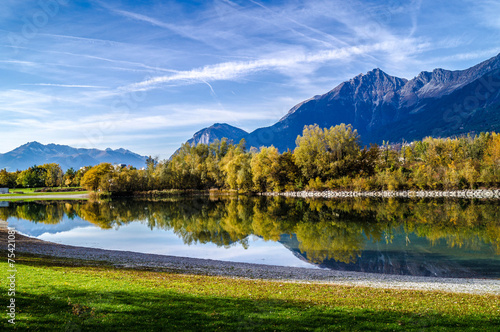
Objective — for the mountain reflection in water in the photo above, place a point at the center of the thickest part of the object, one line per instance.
(454, 238)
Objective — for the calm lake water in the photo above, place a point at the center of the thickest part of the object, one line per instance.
(446, 238)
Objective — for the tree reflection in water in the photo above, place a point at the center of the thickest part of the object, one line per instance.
(325, 229)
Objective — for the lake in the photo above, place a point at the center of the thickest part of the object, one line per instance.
(439, 237)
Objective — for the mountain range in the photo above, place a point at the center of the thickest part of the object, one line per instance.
(34, 153)
(440, 103)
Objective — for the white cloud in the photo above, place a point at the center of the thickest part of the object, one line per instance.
(482, 55)
(487, 12)
(176, 28)
(91, 41)
(65, 85)
(176, 117)
(22, 102)
(19, 62)
(237, 69)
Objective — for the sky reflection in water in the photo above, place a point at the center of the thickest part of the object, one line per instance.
(138, 238)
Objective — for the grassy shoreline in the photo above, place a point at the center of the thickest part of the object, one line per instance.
(55, 197)
(57, 294)
(48, 193)
(29, 194)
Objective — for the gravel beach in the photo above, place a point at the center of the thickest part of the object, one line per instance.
(126, 259)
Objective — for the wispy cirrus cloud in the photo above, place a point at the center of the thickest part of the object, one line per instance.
(86, 40)
(66, 85)
(19, 62)
(239, 69)
(117, 123)
(285, 20)
(487, 12)
(176, 28)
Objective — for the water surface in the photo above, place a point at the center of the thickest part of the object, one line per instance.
(446, 238)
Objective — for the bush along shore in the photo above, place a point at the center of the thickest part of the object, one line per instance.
(477, 193)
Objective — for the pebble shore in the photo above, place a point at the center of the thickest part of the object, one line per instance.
(125, 259)
(471, 194)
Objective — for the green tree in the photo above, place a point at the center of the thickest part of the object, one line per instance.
(31, 177)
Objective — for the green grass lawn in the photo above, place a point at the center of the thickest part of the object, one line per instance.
(31, 191)
(70, 295)
(24, 190)
(27, 192)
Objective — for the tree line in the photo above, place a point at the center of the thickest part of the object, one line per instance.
(329, 158)
(47, 175)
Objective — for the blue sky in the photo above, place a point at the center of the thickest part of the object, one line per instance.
(146, 75)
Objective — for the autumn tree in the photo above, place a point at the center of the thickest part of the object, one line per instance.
(53, 175)
(326, 153)
(69, 177)
(492, 152)
(286, 175)
(94, 176)
(263, 164)
(217, 151)
(7, 179)
(236, 167)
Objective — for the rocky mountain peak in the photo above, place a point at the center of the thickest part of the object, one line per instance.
(217, 131)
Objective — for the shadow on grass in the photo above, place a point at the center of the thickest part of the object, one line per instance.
(70, 310)
(165, 310)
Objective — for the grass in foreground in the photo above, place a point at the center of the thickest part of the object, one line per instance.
(31, 191)
(71, 295)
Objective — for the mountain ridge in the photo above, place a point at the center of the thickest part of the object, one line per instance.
(35, 153)
(384, 107)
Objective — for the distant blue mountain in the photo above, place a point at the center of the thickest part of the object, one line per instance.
(382, 107)
(34, 153)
